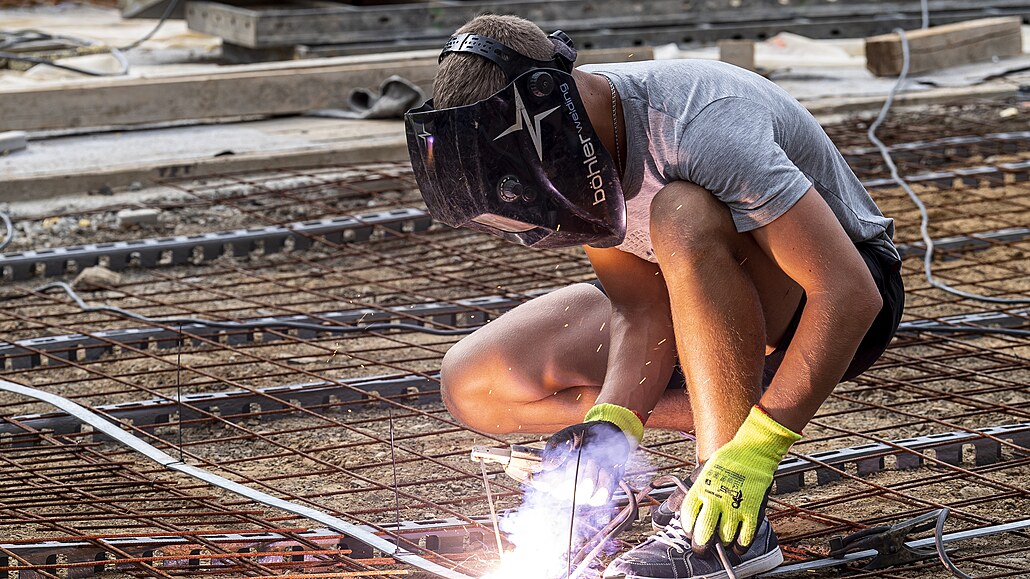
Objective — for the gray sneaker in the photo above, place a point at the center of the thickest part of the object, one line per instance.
(663, 514)
(667, 555)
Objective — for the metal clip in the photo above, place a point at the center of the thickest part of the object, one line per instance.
(888, 542)
(521, 463)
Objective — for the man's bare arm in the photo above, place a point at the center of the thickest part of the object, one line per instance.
(810, 245)
(642, 350)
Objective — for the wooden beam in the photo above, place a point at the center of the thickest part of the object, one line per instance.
(232, 93)
(269, 24)
(244, 91)
(944, 46)
(336, 143)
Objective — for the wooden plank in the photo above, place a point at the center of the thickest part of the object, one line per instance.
(234, 92)
(338, 142)
(738, 52)
(944, 46)
(252, 91)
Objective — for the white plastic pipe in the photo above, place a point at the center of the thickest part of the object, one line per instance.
(103, 425)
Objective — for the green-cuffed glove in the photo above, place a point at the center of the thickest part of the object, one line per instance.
(729, 492)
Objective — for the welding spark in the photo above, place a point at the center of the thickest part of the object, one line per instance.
(599, 346)
(602, 326)
(541, 546)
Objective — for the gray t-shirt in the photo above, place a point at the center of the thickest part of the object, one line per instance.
(739, 136)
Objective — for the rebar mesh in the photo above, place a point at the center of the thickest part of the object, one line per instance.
(337, 453)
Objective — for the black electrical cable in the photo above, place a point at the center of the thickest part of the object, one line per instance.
(16, 37)
(167, 13)
(11, 38)
(34, 60)
(174, 321)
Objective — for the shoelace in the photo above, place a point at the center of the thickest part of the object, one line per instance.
(673, 535)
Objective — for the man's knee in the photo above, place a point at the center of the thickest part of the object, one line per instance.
(474, 386)
(460, 385)
(687, 218)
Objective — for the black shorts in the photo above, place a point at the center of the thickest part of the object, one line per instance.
(886, 271)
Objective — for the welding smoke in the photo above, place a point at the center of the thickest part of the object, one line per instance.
(540, 528)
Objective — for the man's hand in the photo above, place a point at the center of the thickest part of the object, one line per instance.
(729, 494)
(592, 455)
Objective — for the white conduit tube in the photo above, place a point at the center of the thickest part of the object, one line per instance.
(101, 424)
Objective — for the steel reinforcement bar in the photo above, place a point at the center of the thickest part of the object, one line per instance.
(202, 248)
(451, 535)
(939, 151)
(402, 554)
(55, 351)
(24, 354)
(267, 403)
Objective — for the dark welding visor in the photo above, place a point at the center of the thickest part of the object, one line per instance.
(523, 164)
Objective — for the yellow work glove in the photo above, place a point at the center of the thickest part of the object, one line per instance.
(729, 492)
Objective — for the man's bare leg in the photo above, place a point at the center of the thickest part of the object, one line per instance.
(730, 304)
(540, 367)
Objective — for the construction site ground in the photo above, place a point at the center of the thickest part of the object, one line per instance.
(378, 460)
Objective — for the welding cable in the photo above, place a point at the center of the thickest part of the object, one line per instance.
(8, 230)
(22, 36)
(586, 556)
(13, 38)
(167, 13)
(924, 215)
(253, 325)
(942, 553)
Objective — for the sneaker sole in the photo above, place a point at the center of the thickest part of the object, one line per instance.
(767, 562)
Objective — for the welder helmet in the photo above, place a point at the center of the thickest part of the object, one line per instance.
(523, 164)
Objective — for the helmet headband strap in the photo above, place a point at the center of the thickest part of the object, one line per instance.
(512, 63)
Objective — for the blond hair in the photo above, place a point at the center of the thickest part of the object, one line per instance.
(466, 78)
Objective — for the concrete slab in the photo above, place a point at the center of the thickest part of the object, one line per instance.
(106, 162)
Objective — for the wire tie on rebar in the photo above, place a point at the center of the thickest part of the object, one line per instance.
(888, 542)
